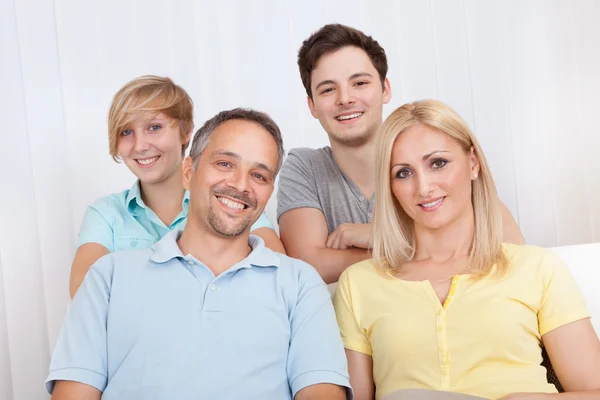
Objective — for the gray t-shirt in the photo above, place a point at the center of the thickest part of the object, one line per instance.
(311, 178)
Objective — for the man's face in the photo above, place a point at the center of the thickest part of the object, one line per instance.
(347, 96)
(234, 178)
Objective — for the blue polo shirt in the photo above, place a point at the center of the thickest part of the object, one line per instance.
(155, 324)
(122, 221)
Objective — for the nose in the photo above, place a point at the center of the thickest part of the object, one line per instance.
(425, 185)
(239, 180)
(141, 142)
(345, 96)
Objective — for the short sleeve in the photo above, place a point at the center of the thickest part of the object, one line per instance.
(261, 222)
(562, 301)
(96, 229)
(353, 336)
(80, 354)
(316, 354)
(296, 187)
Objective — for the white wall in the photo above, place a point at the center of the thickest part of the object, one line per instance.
(523, 73)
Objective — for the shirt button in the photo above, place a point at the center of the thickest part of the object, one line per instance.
(440, 328)
(213, 287)
(370, 215)
(361, 198)
(190, 262)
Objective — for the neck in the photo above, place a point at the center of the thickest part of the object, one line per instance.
(450, 242)
(216, 251)
(164, 198)
(358, 163)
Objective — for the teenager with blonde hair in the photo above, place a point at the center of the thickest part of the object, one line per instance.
(445, 304)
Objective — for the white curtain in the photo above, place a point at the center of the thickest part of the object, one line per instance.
(523, 73)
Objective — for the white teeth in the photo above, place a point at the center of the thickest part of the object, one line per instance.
(231, 203)
(433, 203)
(147, 161)
(346, 117)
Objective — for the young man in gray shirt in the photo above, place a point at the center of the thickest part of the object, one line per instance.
(326, 196)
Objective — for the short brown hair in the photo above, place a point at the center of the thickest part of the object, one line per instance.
(331, 38)
(149, 94)
(203, 134)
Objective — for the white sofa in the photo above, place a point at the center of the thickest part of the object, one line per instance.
(584, 263)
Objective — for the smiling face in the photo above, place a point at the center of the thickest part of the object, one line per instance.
(347, 96)
(431, 176)
(233, 179)
(151, 147)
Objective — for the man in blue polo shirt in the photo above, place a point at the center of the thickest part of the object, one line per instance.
(210, 312)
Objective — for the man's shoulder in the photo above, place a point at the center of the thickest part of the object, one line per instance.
(124, 260)
(310, 156)
(297, 271)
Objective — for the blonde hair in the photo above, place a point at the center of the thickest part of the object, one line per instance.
(149, 94)
(393, 230)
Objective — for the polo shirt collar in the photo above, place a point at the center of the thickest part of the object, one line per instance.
(134, 198)
(167, 248)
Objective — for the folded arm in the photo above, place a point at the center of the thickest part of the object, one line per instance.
(304, 233)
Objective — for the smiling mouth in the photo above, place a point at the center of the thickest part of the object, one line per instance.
(229, 203)
(432, 205)
(349, 116)
(144, 162)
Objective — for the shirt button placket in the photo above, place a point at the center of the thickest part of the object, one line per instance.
(443, 349)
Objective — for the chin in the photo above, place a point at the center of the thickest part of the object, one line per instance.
(434, 223)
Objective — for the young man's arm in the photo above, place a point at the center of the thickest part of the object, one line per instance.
(304, 234)
(512, 233)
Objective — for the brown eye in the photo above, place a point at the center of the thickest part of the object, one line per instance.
(403, 173)
(439, 163)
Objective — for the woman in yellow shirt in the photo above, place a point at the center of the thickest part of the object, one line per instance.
(444, 305)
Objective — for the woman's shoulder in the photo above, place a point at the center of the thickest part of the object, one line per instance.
(364, 271)
(530, 257)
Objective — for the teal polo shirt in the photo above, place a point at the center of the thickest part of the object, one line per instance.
(122, 221)
(157, 324)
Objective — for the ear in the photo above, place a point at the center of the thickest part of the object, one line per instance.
(188, 172)
(311, 107)
(387, 91)
(475, 166)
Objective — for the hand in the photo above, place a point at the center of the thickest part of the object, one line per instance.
(527, 396)
(350, 235)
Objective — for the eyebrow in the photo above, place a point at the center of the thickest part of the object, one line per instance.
(353, 76)
(425, 158)
(236, 156)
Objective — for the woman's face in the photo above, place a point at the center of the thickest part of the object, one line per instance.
(151, 148)
(431, 176)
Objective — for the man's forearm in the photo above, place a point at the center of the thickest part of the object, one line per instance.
(330, 263)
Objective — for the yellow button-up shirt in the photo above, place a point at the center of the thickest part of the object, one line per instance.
(485, 340)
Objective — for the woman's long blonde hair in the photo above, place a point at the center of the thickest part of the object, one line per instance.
(393, 230)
